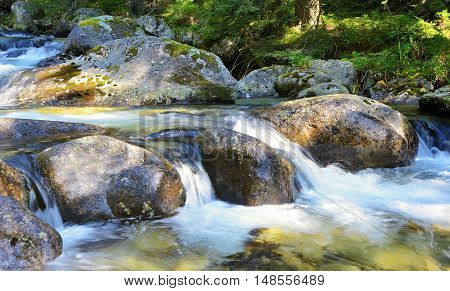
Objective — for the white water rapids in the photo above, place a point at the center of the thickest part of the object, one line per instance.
(18, 53)
(367, 201)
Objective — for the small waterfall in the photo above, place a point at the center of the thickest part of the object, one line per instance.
(355, 198)
(18, 54)
(196, 182)
(42, 204)
(433, 136)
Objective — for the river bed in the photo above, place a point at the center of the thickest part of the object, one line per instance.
(375, 219)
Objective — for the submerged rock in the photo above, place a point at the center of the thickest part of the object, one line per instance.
(244, 170)
(142, 70)
(99, 178)
(25, 240)
(352, 131)
(437, 102)
(16, 129)
(14, 184)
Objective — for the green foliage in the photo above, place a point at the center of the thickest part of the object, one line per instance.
(247, 20)
(386, 44)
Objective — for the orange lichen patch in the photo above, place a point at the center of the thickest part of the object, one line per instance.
(61, 73)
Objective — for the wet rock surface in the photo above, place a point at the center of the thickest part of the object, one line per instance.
(244, 170)
(26, 242)
(14, 184)
(352, 131)
(17, 129)
(99, 178)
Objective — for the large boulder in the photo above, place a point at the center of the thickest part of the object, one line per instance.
(142, 70)
(26, 242)
(71, 19)
(17, 129)
(437, 102)
(352, 131)
(244, 170)
(14, 184)
(340, 71)
(150, 25)
(99, 178)
(24, 16)
(95, 31)
(260, 83)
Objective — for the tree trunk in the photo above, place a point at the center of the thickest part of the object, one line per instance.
(308, 12)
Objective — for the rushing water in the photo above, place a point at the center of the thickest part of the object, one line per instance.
(375, 219)
(20, 52)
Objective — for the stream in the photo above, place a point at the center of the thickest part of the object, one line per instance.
(375, 219)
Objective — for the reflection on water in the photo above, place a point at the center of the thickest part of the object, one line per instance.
(383, 219)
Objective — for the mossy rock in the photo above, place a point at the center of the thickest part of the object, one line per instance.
(437, 102)
(95, 31)
(142, 70)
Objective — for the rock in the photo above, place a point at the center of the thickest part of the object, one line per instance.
(52, 61)
(99, 178)
(24, 16)
(71, 19)
(340, 71)
(244, 170)
(25, 240)
(147, 190)
(154, 26)
(16, 129)
(95, 31)
(290, 84)
(281, 81)
(323, 89)
(322, 78)
(354, 132)
(173, 135)
(143, 70)
(225, 48)
(401, 90)
(437, 102)
(260, 83)
(403, 98)
(14, 184)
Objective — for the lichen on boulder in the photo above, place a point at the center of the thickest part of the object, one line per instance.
(98, 178)
(26, 242)
(143, 70)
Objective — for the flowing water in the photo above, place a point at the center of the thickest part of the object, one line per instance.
(376, 219)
